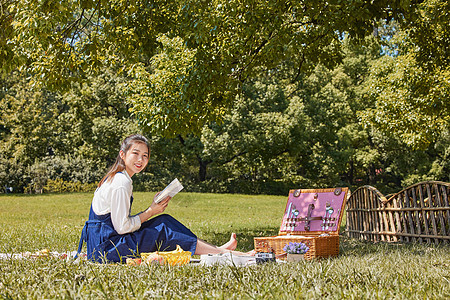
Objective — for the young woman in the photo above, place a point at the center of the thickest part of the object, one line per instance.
(112, 234)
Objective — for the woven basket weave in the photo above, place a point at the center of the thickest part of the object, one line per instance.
(319, 246)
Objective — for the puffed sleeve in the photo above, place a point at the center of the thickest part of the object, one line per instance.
(120, 211)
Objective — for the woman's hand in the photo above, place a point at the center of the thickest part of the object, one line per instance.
(158, 208)
(155, 208)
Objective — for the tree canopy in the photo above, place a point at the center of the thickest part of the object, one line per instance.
(222, 44)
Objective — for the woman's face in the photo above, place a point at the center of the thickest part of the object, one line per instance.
(136, 158)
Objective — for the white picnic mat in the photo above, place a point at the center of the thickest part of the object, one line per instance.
(41, 253)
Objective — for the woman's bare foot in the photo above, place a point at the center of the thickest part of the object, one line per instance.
(231, 244)
(229, 247)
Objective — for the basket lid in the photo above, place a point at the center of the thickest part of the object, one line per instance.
(314, 211)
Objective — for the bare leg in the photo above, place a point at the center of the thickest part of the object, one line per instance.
(206, 248)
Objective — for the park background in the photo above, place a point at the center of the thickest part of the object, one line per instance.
(235, 96)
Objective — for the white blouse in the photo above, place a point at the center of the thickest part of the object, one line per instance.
(114, 197)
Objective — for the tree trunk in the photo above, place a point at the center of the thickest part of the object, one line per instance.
(202, 169)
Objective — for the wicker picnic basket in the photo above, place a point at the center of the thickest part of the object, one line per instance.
(313, 217)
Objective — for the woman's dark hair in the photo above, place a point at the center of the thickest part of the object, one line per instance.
(119, 165)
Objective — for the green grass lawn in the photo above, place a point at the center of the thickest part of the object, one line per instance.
(362, 270)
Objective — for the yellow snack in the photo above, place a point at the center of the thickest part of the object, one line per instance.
(176, 257)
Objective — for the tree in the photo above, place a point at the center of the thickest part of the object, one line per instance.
(75, 135)
(227, 43)
(411, 87)
(95, 119)
(28, 118)
(259, 140)
(280, 134)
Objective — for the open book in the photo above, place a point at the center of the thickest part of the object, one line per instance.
(171, 190)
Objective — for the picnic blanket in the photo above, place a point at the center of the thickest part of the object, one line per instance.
(69, 255)
(205, 260)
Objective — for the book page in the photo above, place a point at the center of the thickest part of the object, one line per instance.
(171, 190)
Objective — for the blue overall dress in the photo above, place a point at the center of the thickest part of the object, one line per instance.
(161, 233)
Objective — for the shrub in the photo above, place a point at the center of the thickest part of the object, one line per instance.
(62, 186)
